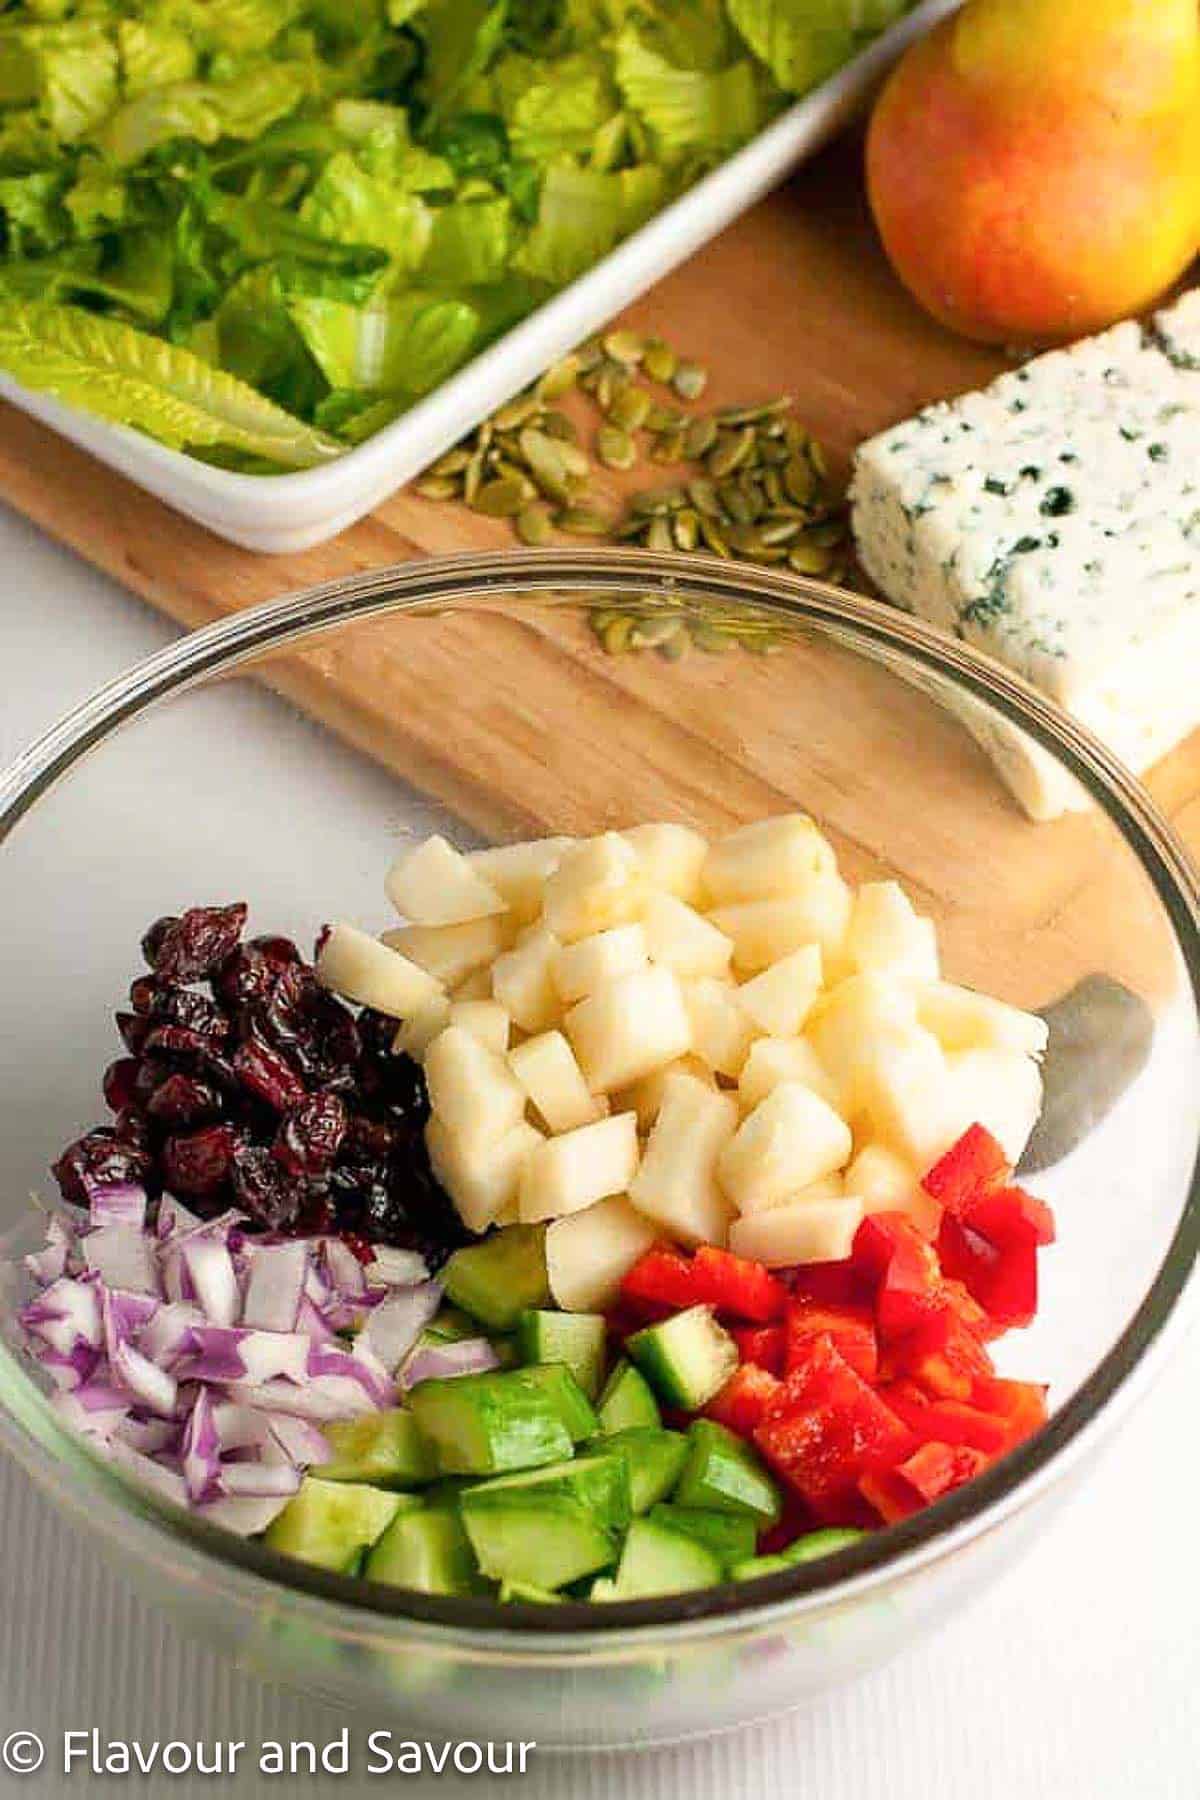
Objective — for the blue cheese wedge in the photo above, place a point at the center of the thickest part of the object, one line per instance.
(1053, 521)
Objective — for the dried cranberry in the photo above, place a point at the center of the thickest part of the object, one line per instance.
(119, 1083)
(152, 942)
(201, 1162)
(316, 1030)
(311, 1135)
(260, 1184)
(183, 1101)
(151, 1074)
(377, 1031)
(183, 1006)
(252, 970)
(132, 1127)
(133, 1029)
(99, 1156)
(319, 942)
(263, 1072)
(142, 994)
(175, 1040)
(369, 1140)
(404, 1085)
(194, 946)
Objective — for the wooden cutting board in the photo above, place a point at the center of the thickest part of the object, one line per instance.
(795, 298)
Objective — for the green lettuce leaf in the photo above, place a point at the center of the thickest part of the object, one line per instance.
(32, 211)
(561, 114)
(97, 201)
(406, 345)
(802, 42)
(353, 207)
(131, 378)
(153, 53)
(582, 214)
(205, 111)
(354, 416)
(68, 70)
(460, 38)
(689, 109)
(470, 244)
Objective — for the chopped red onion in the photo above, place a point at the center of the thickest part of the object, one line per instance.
(343, 1271)
(200, 1449)
(115, 1202)
(67, 1313)
(166, 1337)
(314, 1324)
(213, 1278)
(321, 1400)
(366, 1369)
(94, 1410)
(258, 1480)
(275, 1287)
(122, 1257)
(167, 1482)
(150, 1436)
(50, 1263)
(248, 1518)
(153, 1387)
(440, 1362)
(70, 1371)
(174, 1218)
(398, 1322)
(125, 1316)
(396, 1268)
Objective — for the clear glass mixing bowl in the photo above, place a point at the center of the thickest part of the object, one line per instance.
(477, 700)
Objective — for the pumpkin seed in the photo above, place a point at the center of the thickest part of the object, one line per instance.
(672, 649)
(714, 537)
(799, 480)
(660, 536)
(452, 463)
(700, 437)
(754, 415)
(737, 505)
(809, 559)
(710, 639)
(686, 528)
(779, 531)
(668, 448)
(660, 361)
(582, 521)
(689, 380)
(559, 378)
(615, 635)
(653, 632)
(704, 497)
(817, 458)
(535, 523)
(472, 478)
(501, 499)
(650, 501)
(515, 414)
(665, 418)
(559, 425)
(630, 407)
(625, 347)
(615, 448)
(546, 460)
(729, 453)
(829, 535)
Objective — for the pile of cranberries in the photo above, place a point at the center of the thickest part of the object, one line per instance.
(248, 1084)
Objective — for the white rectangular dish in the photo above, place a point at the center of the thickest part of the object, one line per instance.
(280, 513)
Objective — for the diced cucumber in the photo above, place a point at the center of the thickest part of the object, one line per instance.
(329, 1523)
(576, 1339)
(575, 1410)
(535, 1539)
(686, 1359)
(425, 1549)
(603, 1588)
(730, 1538)
(656, 1560)
(524, 1593)
(599, 1481)
(626, 1402)
(510, 1419)
(385, 1449)
(655, 1459)
(810, 1548)
(498, 1280)
(724, 1474)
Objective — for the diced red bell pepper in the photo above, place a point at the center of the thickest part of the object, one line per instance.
(904, 1267)
(662, 1278)
(957, 1296)
(827, 1428)
(851, 1329)
(736, 1286)
(1004, 1282)
(1009, 1218)
(944, 1359)
(762, 1345)
(929, 1473)
(1019, 1405)
(947, 1421)
(976, 1162)
(793, 1522)
(830, 1284)
(743, 1402)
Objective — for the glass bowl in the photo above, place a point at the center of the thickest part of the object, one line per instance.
(474, 695)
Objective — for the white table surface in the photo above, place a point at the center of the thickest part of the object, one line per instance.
(1078, 1678)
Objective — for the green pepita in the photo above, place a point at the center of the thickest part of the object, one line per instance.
(582, 521)
(501, 499)
(729, 453)
(625, 346)
(615, 448)
(699, 438)
(689, 380)
(660, 361)
(535, 523)
(630, 407)
(437, 487)
(559, 378)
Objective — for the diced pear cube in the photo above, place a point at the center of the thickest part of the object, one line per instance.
(598, 884)
(961, 1019)
(765, 931)
(518, 872)
(523, 983)
(847, 1019)
(772, 1060)
(434, 884)
(781, 998)
(672, 857)
(904, 1091)
(829, 1187)
(589, 1254)
(567, 1173)
(481, 1176)
(420, 1028)
(883, 1181)
(485, 1019)
(357, 965)
(1000, 1090)
(767, 860)
(629, 1028)
(475, 986)
(452, 952)
(591, 963)
(789, 1141)
(887, 936)
(646, 1096)
(676, 1186)
(472, 1090)
(806, 1231)
(546, 1068)
(721, 1032)
(682, 939)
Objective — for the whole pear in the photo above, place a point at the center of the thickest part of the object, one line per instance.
(1034, 165)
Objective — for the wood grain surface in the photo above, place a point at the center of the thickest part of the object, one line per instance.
(795, 298)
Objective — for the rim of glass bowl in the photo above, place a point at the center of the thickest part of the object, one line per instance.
(51, 1453)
